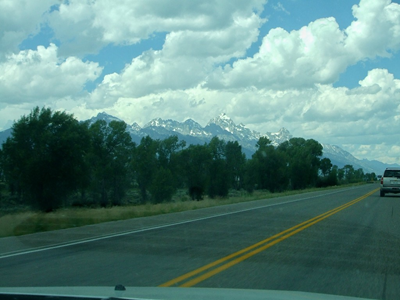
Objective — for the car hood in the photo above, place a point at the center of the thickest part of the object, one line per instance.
(169, 293)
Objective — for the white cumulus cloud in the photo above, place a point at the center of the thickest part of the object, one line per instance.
(317, 53)
(313, 54)
(20, 19)
(188, 56)
(86, 26)
(36, 75)
(376, 30)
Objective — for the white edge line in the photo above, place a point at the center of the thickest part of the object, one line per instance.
(89, 240)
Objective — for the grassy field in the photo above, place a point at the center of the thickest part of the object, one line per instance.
(26, 222)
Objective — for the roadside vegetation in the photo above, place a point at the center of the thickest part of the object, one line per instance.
(24, 220)
(53, 164)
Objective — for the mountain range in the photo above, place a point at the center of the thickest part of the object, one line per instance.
(224, 127)
(193, 133)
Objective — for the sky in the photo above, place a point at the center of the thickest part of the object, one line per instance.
(326, 70)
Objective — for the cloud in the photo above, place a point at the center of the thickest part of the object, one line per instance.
(376, 30)
(322, 112)
(195, 103)
(381, 77)
(149, 73)
(129, 22)
(317, 53)
(377, 98)
(186, 59)
(20, 19)
(217, 45)
(280, 7)
(37, 75)
(11, 113)
(313, 54)
(325, 113)
(383, 152)
(372, 89)
(159, 102)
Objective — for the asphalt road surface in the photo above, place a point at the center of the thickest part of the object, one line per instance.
(340, 242)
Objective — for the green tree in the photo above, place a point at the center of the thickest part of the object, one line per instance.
(250, 175)
(162, 186)
(2, 184)
(166, 177)
(262, 173)
(44, 157)
(195, 165)
(370, 176)
(167, 148)
(218, 180)
(109, 157)
(304, 160)
(340, 174)
(348, 171)
(235, 162)
(145, 164)
(270, 166)
(168, 156)
(10, 171)
(332, 179)
(325, 166)
(359, 175)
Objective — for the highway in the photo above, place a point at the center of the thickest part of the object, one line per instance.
(340, 242)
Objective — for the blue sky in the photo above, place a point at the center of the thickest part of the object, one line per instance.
(328, 70)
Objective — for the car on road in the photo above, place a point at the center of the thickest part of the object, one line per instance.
(390, 181)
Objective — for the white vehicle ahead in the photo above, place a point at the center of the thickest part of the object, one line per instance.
(390, 181)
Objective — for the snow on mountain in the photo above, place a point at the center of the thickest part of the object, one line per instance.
(193, 128)
(341, 157)
(189, 127)
(224, 122)
(104, 116)
(239, 131)
(135, 132)
(279, 137)
(135, 127)
(246, 137)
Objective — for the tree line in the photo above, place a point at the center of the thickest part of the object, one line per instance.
(52, 158)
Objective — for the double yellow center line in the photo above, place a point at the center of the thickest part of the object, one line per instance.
(196, 276)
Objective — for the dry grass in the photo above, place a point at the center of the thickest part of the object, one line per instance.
(30, 222)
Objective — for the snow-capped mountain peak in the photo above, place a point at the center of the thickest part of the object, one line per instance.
(224, 122)
(135, 127)
(191, 123)
(104, 116)
(279, 137)
(155, 122)
(189, 127)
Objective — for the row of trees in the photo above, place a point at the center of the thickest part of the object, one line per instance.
(51, 158)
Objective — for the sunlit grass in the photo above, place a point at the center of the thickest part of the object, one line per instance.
(31, 222)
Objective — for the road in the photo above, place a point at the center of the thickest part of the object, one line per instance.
(341, 242)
